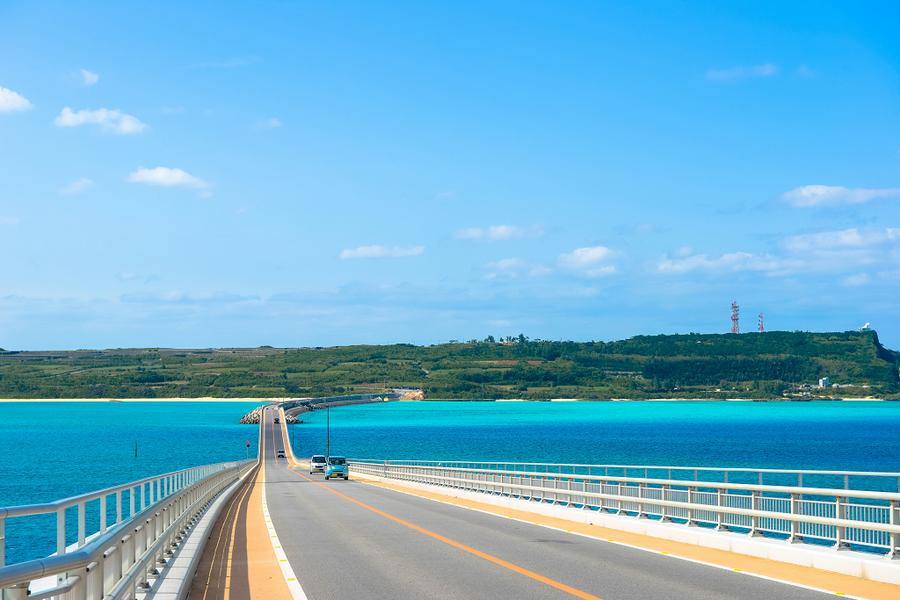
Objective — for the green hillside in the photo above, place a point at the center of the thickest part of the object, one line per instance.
(769, 365)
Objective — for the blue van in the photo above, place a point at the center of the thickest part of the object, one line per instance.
(336, 466)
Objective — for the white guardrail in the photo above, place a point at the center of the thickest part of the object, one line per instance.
(861, 519)
(139, 524)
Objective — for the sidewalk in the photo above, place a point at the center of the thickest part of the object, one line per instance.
(239, 562)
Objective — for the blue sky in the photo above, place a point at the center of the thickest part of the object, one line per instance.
(225, 174)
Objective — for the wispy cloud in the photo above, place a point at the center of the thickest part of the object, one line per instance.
(842, 239)
(270, 123)
(729, 262)
(169, 177)
(88, 78)
(513, 268)
(379, 251)
(113, 121)
(495, 233)
(80, 185)
(808, 196)
(590, 261)
(11, 101)
(739, 73)
(9, 221)
(820, 252)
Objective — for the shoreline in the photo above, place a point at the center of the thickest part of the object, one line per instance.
(117, 400)
(498, 400)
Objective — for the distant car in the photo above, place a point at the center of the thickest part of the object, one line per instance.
(317, 464)
(279, 454)
(337, 468)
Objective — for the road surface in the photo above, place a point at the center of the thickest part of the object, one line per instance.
(347, 539)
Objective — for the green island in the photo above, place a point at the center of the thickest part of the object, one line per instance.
(771, 365)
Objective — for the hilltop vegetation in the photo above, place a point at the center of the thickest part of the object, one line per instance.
(773, 364)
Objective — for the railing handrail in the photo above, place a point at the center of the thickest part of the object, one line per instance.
(27, 510)
(81, 556)
(780, 489)
(657, 467)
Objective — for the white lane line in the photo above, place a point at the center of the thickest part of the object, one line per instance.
(287, 571)
(411, 492)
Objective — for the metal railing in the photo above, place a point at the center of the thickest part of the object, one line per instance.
(864, 520)
(880, 481)
(117, 559)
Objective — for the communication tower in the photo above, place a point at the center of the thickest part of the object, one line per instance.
(762, 323)
(735, 317)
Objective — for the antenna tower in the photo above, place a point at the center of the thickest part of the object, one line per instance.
(735, 317)
(762, 323)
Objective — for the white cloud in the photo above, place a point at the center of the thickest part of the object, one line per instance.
(496, 233)
(834, 195)
(591, 261)
(821, 252)
(742, 72)
(842, 239)
(10, 101)
(78, 186)
(512, 268)
(270, 123)
(168, 177)
(379, 251)
(89, 78)
(730, 262)
(114, 121)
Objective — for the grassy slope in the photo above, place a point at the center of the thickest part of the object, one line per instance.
(749, 365)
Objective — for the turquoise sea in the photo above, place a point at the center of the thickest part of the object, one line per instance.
(799, 435)
(52, 450)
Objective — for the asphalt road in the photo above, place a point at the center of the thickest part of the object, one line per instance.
(349, 540)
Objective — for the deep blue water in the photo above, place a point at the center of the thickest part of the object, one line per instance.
(54, 450)
(49, 451)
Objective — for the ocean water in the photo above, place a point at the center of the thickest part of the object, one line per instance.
(787, 435)
(49, 451)
(54, 450)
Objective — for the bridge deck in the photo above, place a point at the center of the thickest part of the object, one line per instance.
(355, 540)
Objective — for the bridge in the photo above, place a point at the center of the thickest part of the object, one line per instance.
(268, 529)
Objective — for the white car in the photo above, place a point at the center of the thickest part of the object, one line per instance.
(317, 464)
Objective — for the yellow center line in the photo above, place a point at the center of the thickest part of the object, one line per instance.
(460, 546)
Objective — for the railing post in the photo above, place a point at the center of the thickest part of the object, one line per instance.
(112, 569)
(795, 525)
(894, 551)
(82, 508)
(754, 520)
(61, 531)
(840, 532)
(720, 515)
(94, 580)
(640, 491)
(79, 590)
(664, 494)
(2, 546)
(103, 513)
(691, 520)
(16, 592)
